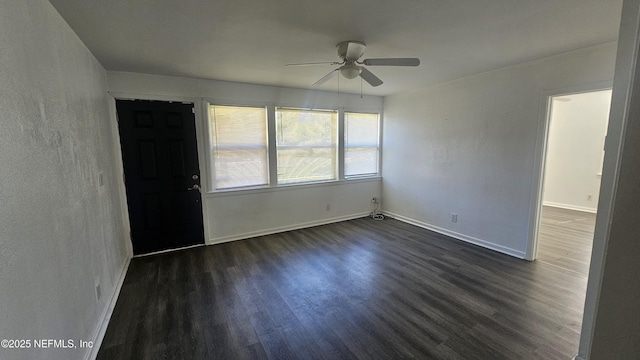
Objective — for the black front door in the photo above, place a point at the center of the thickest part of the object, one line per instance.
(162, 175)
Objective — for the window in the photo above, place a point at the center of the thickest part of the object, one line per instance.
(361, 144)
(306, 145)
(238, 146)
(266, 147)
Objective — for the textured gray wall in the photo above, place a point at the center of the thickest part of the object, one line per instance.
(469, 147)
(60, 231)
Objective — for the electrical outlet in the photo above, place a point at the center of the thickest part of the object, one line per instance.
(328, 207)
(374, 200)
(454, 218)
(589, 197)
(100, 179)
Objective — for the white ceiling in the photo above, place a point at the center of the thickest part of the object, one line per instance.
(251, 40)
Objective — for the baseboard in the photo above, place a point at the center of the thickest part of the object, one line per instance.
(578, 357)
(570, 207)
(285, 228)
(106, 315)
(469, 239)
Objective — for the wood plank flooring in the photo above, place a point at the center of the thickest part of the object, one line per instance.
(566, 238)
(360, 289)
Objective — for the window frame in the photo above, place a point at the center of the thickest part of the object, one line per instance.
(335, 142)
(378, 147)
(211, 148)
(272, 151)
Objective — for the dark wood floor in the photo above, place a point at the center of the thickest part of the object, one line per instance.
(361, 289)
(566, 238)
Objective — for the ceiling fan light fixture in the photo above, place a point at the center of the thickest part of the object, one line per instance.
(350, 71)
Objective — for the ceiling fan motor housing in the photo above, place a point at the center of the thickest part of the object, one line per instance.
(351, 50)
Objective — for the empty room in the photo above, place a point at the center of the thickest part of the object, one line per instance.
(319, 179)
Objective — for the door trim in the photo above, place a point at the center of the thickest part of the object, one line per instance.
(200, 118)
(544, 118)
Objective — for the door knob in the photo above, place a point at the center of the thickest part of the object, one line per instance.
(194, 187)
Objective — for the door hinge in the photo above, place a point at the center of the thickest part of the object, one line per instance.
(193, 110)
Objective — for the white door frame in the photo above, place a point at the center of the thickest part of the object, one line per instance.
(201, 131)
(541, 156)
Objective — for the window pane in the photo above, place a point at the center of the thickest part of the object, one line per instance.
(239, 146)
(361, 144)
(306, 145)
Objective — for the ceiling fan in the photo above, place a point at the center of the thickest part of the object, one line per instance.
(351, 67)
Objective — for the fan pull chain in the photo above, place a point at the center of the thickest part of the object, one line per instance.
(360, 87)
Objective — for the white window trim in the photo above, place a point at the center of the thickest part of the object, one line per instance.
(267, 189)
(210, 159)
(272, 150)
(361, 176)
(338, 160)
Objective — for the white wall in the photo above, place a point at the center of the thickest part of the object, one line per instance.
(611, 323)
(469, 147)
(575, 149)
(240, 214)
(237, 216)
(60, 231)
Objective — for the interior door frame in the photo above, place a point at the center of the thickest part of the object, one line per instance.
(202, 158)
(542, 138)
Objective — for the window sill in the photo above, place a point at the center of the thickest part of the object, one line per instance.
(287, 187)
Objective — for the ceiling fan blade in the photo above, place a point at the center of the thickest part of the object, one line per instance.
(355, 50)
(326, 78)
(315, 63)
(367, 76)
(392, 62)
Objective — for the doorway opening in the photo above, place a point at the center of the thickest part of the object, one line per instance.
(571, 173)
